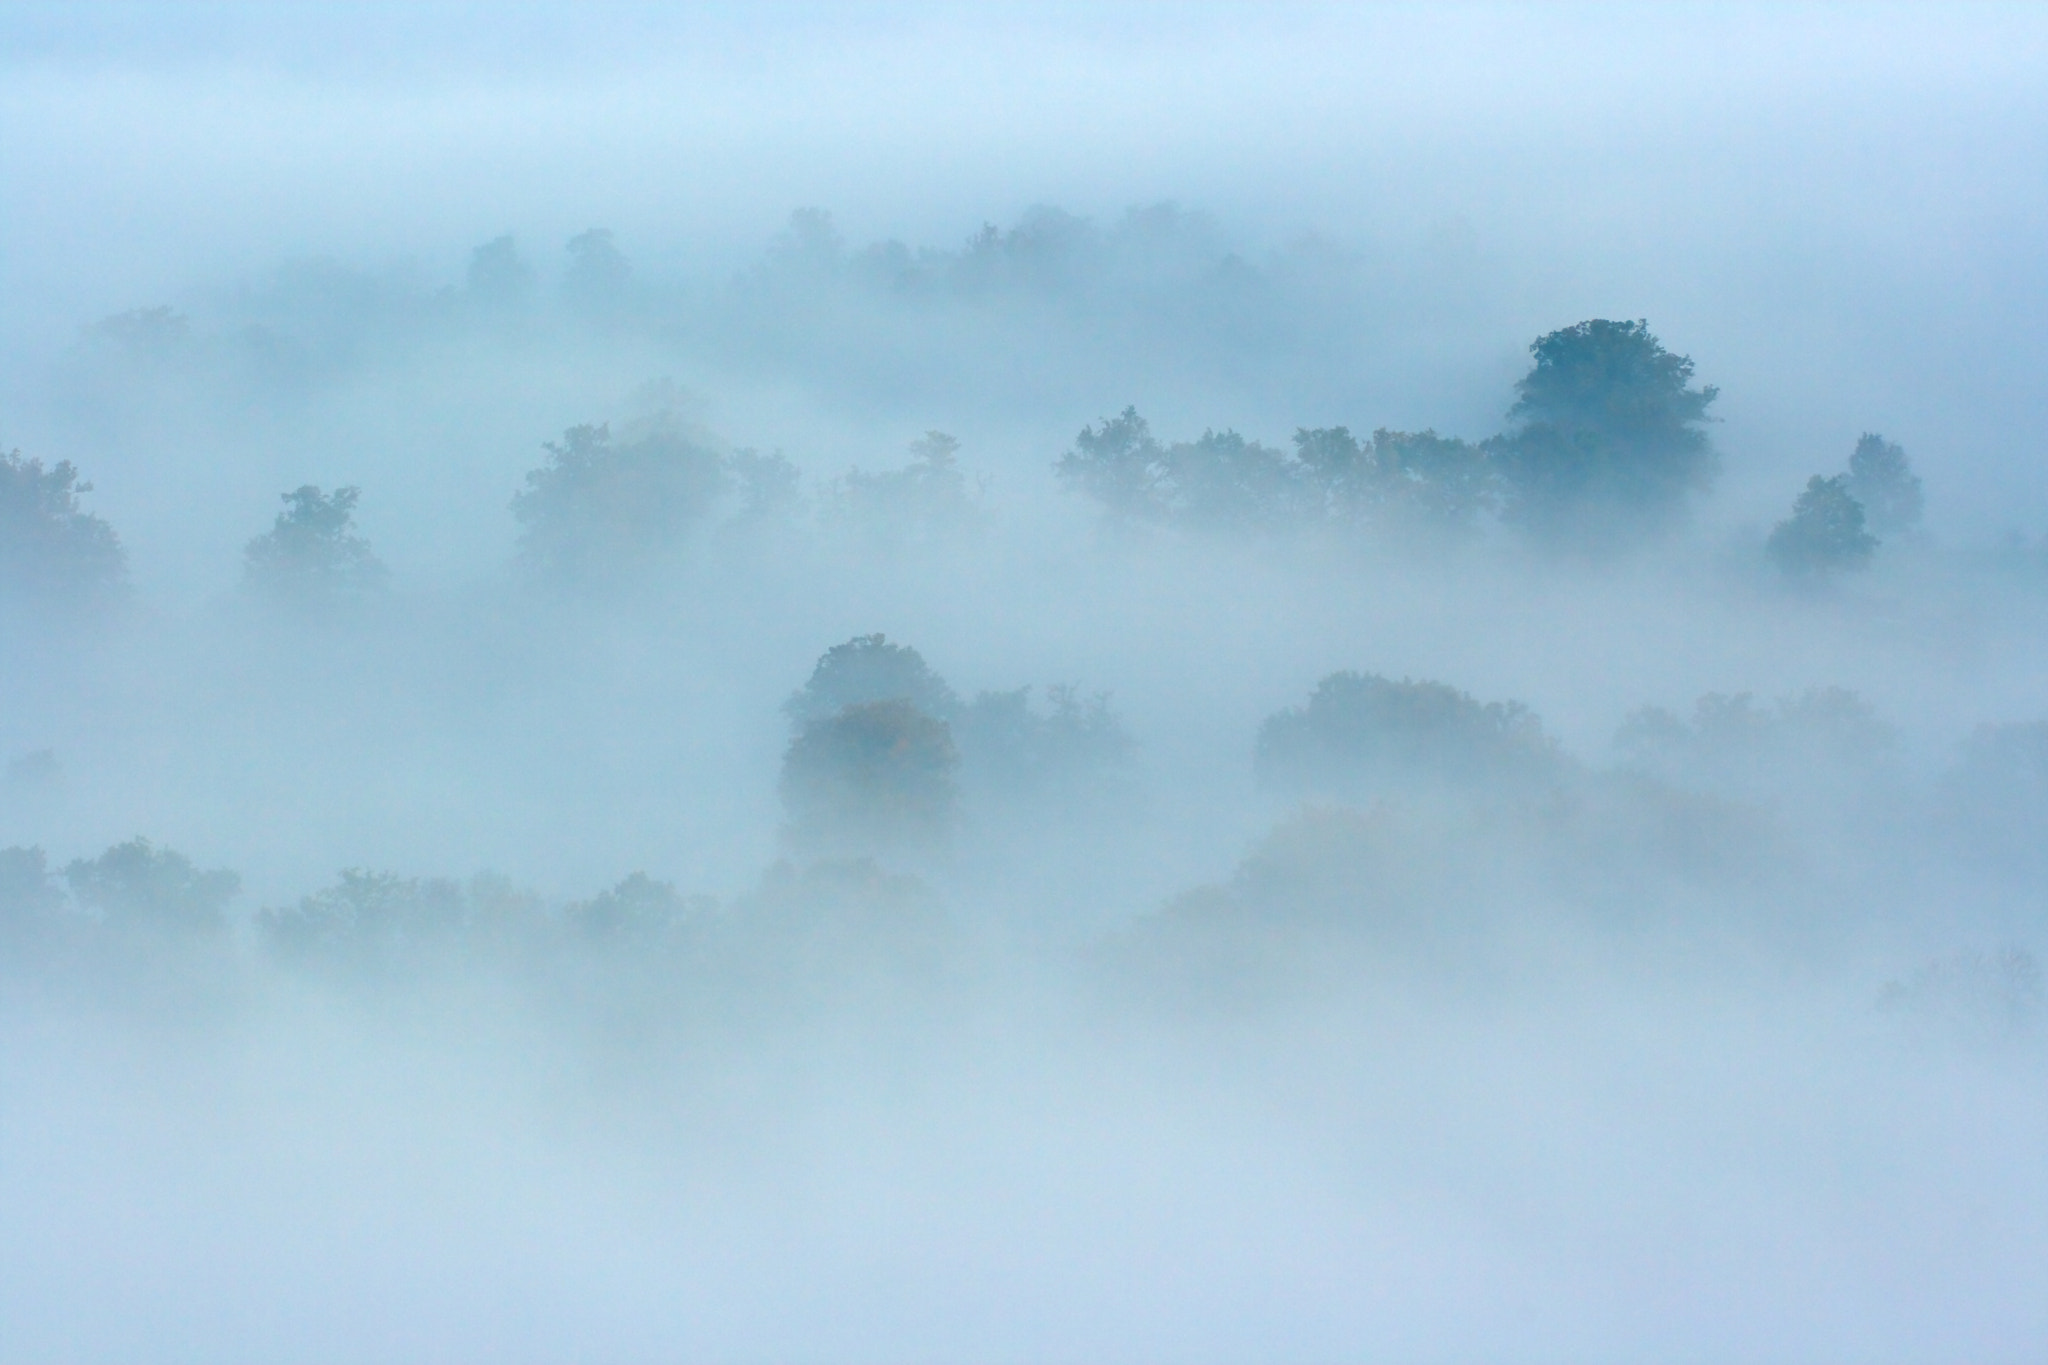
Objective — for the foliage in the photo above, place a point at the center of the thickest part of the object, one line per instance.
(26, 891)
(1219, 482)
(1610, 441)
(50, 548)
(595, 510)
(1730, 736)
(498, 276)
(1825, 532)
(768, 486)
(926, 495)
(638, 910)
(868, 668)
(874, 773)
(1004, 740)
(1121, 467)
(1881, 478)
(1361, 732)
(137, 886)
(312, 551)
(378, 921)
(598, 274)
(1400, 480)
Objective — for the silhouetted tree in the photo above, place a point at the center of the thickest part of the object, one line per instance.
(1361, 732)
(498, 276)
(1610, 443)
(1007, 742)
(868, 668)
(27, 895)
(1121, 466)
(51, 549)
(928, 494)
(311, 552)
(1400, 480)
(598, 510)
(1824, 533)
(878, 773)
(137, 886)
(1883, 481)
(768, 486)
(598, 273)
(1220, 481)
(1224, 482)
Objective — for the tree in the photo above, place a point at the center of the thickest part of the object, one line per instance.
(499, 277)
(928, 494)
(1013, 746)
(1361, 733)
(598, 510)
(1610, 443)
(598, 272)
(1220, 481)
(26, 892)
(311, 552)
(1224, 482)
(137, 886)
(875, 773)
(1883, 481)
(1824, 533)
(1121, 467)
(865, 669)
(50, 548)
(1416, 480)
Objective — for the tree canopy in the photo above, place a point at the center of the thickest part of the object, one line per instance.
(139, 886)
(312, 551)
(1610, 442)
(1361, 732)
(598, 507)
(865, 669)
(874, 773)
(1881, 478)
(50, 547)
(1824, 533)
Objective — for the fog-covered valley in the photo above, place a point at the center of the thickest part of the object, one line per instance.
(1378, 729)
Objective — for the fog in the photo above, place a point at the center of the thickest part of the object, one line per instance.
(1044, 683)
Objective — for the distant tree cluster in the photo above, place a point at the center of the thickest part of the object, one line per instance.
(1818, 733)
(1832, 522)
(1608, 446)
(882, 744)
(599, 510)
(312, 553)
(1362, 734)
(134, 889)
(52, 550)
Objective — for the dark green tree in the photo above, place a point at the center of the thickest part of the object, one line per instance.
(1362, 733)
(138, 887)
(312, 551)
(878, 774)
(1825, 532)
(51, 550)
(1882, 479)
(598, 273)
(598, 510)
(27, 895)
(865, 669)
(1121, 466)
(928, 495)
(1220, 481)
(1610, 444)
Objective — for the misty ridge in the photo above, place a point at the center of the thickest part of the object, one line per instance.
(895, 693)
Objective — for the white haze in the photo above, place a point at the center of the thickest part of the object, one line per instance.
(1715, 1053)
